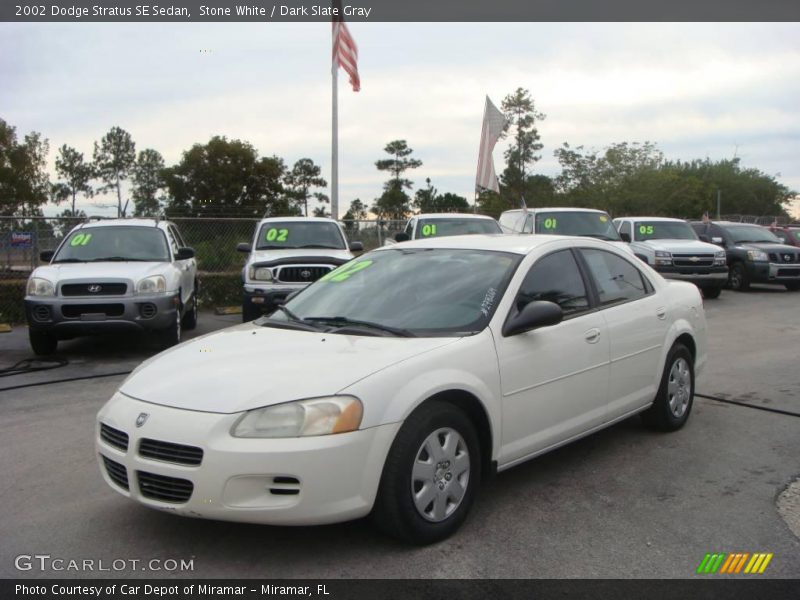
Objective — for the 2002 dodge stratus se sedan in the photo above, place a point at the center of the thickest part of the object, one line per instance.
(398, 380)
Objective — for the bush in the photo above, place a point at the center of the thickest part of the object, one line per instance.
(12, 300)
(220, 289)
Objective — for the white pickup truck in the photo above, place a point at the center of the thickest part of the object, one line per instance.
(673, 249)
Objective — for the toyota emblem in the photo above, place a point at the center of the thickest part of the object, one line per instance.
(94, 288)
(305, 274)
(787, 258)
(141, 419)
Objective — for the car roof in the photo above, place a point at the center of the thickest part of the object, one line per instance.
(452, 216)
(557, 209)
(299, 220)
(654, 219)
(129, 222)
(729, 224)
(515, 243)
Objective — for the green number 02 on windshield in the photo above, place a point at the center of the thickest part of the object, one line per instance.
(646, 229)
(81, 239)
(277, 235)
(346, 271)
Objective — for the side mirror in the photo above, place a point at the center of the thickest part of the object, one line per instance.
(243, 247)
(626, 237)
(184, 253)
(46, 255)
(356, 247)
(533, 316)
(719, 241)
(704, 238)
(402, 236)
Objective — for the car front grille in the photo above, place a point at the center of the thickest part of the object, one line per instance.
(788, 273)
(170, 452)
(75, 311)
(163, 488)
(94, 289)
(693, 260)
(784, 257)
(116, 472)
(114, 437)
(302, 274)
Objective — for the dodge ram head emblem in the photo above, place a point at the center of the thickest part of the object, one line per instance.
(94, 288)
(141, 419)
(305, 274)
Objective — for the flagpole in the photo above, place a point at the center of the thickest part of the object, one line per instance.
(334, 143)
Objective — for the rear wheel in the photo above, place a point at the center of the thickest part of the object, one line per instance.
(430, 476)
(711, 291)
(42, 343)
(737, 278)
(673, 402)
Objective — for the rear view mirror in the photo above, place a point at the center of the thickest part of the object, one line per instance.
(356, 247)
(401, 237)
(533, 315)
(718, 240)
(184, 253)
(626, 237)
(243, 247)
(704, 238)
(46, 255)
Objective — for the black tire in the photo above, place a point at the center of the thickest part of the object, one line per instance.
(737, 277)
(711, 292)
(189, 320)
(250, 312)
(673, 402)
(792, 286)
(395, 511)
(171, 336)
(42, 343)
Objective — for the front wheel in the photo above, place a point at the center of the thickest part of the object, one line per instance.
(673, 402)
(711, 291)
(42, 343)
(250, 312)
(190, 316)
(171, 336)
(430, 476)
(737, 278)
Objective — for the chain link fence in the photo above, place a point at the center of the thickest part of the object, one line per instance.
(214, 242)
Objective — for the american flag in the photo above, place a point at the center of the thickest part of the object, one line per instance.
(493, 124)
(345, 53)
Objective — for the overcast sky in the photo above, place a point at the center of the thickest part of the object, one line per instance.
(697, 90)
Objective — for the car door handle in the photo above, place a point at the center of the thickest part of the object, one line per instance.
(592, 336)
(661, 312)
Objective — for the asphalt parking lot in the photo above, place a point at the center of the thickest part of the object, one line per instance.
(625, 502)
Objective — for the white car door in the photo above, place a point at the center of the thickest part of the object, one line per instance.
(187, 268)
(637, 321)
(554, 380)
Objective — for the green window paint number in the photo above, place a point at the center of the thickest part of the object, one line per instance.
(550, 223)
(646, 229)
(428, 229)
(346, 271)
(81, 239)
(277, 235)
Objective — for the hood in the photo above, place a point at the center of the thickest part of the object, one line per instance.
(768, 247)
(249, 366)
(668, 245)
(92, 271)
(259, 256)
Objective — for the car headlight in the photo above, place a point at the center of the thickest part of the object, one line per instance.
(720, 258)
(260, 274)
(757, 255)
(317, 416)
(155, 284)
(663, 258)
(40, 287)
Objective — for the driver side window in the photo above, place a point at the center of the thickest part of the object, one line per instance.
(555, 278)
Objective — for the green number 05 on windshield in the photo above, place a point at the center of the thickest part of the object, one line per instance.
(346, 271)
(646, 229)
(277, 235)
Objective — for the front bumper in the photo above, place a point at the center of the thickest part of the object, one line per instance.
(762, 272)
(266, 297)
(708, 275)
(292, 481)
(84, 316)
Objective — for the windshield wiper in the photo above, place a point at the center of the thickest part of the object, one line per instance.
(345, 321)
(276, 247)
(122, 259)
(321, 246)
(69, 260)
(290, 314)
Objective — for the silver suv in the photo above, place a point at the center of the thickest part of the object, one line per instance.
(112, 275)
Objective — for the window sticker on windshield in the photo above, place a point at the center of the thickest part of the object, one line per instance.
(81, 239)
(276, 235)
(550, 223)
(346, 271)
(428, 229)
(646, 229)
(488, 301)
(603, 218)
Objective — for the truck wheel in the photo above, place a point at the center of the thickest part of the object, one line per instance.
(42, 343)
(792, 286)
(430, 477)
(249, 312)
(190, 316)
(711, 291)
(737, 278)
(673, 402)
(171, 336)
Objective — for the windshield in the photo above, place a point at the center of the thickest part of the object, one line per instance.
(752, 234)
(114, 243)
(425, 292)
(589, 224)
(663, 230)
(299, 234)
(455, 226)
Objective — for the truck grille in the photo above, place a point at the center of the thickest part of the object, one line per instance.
(693, 260)
(116, 472)
(784, 257)
(163, 488)
(169, 452)
(75, 311)
(94, 289)
(788, 272)
(302, 274)
(114, 437)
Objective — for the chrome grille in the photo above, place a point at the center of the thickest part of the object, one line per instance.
(302, 274)
(170, 452)
(784, 257)
(693, 260)
(116, 472)
(114, 437)
(94, 289)
(163, 488)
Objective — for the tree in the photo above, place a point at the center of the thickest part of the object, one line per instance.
(521, 117)
(392, 204)
(227, 178)
(299, 181)
(321, 211)
(114, 158)
(357, 212)
(77, 173)
(428, 200)
(24, 184)
(148, 180)
(398, 164)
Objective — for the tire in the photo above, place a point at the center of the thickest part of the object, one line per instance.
(675, 396)
(711, 292)
(171, 336)
(249, 312)
(792, 286)
(189, 320)
(42, 343)
(737, 278)
(412, 468)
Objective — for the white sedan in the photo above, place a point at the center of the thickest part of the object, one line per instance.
(395, 383)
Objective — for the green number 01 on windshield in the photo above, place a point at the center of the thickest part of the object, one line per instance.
(428, 229)
(81, 239)
(277, 235)
(346, 271)
(550, 223)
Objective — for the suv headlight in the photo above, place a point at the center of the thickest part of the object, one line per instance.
(259, 274)
(720, 258)
(317, 416)
(155, 284)
(757, 255)
(40, 287)
(663, 258)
